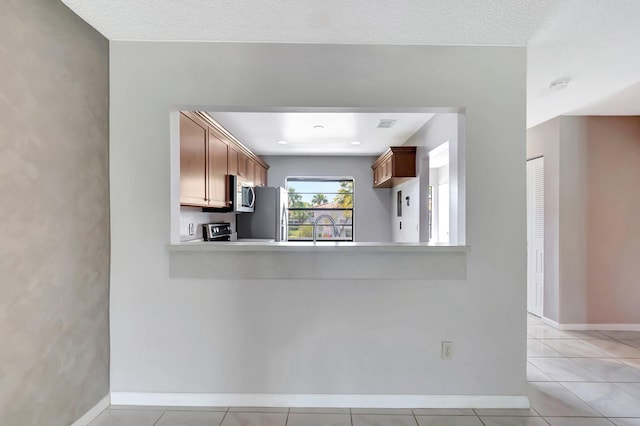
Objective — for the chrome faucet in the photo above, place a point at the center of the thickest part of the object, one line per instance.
(331, 219)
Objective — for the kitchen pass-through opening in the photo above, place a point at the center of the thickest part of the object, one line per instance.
(341, 140)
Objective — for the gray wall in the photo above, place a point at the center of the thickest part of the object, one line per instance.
(613, 221)
(54, 214)
(297, 336)
(573, 231)
(371, 206)
(591, 204)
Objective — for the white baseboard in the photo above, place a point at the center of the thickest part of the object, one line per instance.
(604, 327)
(550, 322)
(589, 327)
(94, 412)
(314, 400)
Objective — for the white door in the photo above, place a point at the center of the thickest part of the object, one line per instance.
(535, 235)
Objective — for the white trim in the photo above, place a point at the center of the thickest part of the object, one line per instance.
(94, 412)
(604, 327)
(550, 322)
(588, 327)
(315, 400)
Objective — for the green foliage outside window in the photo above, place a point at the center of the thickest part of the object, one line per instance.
(323, 205)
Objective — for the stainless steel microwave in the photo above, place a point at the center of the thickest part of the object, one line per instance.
(243, 195)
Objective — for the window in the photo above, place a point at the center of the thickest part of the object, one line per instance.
(320, 209)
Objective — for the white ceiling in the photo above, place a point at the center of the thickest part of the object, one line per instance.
(592, 42)
(261, 131)
(449, 22)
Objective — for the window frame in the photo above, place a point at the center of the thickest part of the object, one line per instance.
(292, 179)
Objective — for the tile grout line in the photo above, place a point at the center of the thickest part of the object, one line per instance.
(585, 402)
(224, 416)
(161, 415)
(572, 358)
(479, 418)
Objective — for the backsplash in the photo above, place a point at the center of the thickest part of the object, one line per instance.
(196, 216)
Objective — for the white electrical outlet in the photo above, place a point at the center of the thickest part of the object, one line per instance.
(192, 229)
(447, 350)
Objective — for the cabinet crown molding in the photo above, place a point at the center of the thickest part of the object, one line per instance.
(226, 135)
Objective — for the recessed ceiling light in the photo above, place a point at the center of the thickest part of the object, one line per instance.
(355, 143)
(318, 126)
(559, 84)
(283, 142)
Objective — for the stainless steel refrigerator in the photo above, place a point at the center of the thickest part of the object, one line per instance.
(269, 218)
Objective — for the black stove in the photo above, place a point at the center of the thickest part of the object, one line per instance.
(216, 231)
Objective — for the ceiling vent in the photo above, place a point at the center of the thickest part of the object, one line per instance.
(386, 123)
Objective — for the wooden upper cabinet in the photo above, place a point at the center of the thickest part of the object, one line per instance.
(193, 162)
(260, 175)
(218, 160)
(248, 168)
(243, 165)
(208, 155)
(233, 160)
(395, 166)
(251, 170)
(377, 176)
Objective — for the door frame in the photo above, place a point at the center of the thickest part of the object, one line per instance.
(535, 241)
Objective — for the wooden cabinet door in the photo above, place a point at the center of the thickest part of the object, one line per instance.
(388, 168)
(218, 158)
(385, 171)
(193, 163)
(251, 170)
(243, 165)
(262, 172)
(232, 165)
(259, 175)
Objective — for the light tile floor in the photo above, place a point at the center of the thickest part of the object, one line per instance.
(589, 378)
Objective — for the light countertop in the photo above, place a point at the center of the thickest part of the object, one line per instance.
(301, 246)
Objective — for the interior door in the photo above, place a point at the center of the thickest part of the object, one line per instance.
(535, 235)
